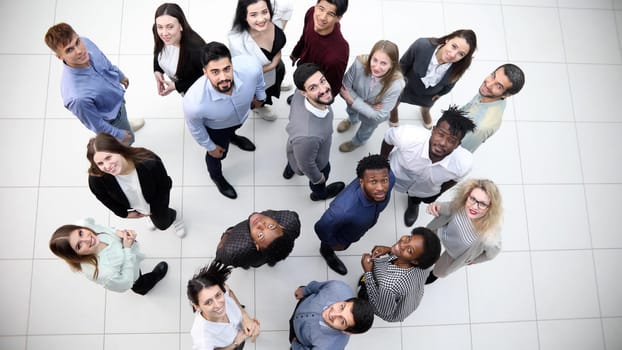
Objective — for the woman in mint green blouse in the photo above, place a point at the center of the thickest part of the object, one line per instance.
(106, 256)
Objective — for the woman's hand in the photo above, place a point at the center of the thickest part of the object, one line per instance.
(380, 250)
(433, 209)
(366, 262)
(128, 237)
(345, 94)
(164, 86)
(134, 215)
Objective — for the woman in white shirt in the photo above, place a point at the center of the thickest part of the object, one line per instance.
(176, 48)
(371, 88)
(469, 226)
(132, 182)
(220, 321)
(106, 256)
(254, 34)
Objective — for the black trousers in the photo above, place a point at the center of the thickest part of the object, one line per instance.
(320, 189)
(418, 200)
(222, 138)
(163, 220)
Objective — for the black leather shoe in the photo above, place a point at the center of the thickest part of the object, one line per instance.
(160, 270)
(288, 173)
(411, 214)
(225, 188)
(331, 191)
(332, 260)
(431, 278)
(289, 99)
(242, 142)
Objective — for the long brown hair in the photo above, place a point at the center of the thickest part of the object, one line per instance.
(189, 38)
(106, 143)
(59, 245)
(458, 68)
(392, 74)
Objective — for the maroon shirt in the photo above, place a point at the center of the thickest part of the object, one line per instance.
(329, 51)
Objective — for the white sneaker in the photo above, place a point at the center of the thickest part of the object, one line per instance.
(286, 86)
(180, 228)
(266, 113)
(136, 124)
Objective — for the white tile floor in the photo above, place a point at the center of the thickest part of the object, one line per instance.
(556, 158)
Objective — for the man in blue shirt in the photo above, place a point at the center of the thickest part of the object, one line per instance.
(91, 86)
(218, 103)
(325, 316)
(355, 210)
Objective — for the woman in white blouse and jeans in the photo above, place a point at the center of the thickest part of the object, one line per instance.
(469, 226)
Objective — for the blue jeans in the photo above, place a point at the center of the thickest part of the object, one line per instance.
(121, 122)
(366, 129)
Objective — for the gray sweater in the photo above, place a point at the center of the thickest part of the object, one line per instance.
(310, 137)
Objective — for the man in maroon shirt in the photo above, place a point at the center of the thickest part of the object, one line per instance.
(321, 42)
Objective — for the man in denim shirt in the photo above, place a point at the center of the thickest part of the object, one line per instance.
(92, 88)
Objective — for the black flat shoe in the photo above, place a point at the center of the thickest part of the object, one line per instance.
(331, 191)
(242, 142)
(160, 270)
(289, 99)
(411, 214)
(288, 173)
(333, 261)
(225, 188)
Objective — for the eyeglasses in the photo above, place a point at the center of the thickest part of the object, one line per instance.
(480, 205)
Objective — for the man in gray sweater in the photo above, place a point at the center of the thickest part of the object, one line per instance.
(310, 130)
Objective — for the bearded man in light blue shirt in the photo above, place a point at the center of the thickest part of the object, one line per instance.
(218, 103)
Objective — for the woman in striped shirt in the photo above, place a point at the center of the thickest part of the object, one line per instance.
(469, 226)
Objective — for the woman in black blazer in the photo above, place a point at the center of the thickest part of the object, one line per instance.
(431, 67)
(131, 181)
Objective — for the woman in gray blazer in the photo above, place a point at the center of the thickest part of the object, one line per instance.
(371, 88)
(469, 226)
(432, 66)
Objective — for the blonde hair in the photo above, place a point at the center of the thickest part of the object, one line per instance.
(493, 217)
(393, 74)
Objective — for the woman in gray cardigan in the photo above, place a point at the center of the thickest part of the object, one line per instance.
(371, 88)
(469, 226)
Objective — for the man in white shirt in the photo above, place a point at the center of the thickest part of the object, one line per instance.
(218, 103)
(427, 164)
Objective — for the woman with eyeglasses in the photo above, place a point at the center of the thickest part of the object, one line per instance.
(266, 237)
(469, 226)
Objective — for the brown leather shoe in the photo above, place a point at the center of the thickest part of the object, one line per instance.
(348, 146)
(344, 125)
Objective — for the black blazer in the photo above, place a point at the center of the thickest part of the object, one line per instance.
(154, 183)
(414, 65)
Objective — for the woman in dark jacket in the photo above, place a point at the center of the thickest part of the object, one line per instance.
(131, 181)
(175, 50)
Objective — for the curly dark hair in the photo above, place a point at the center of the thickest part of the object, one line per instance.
(371, 162)
(459, 123)
(431, 247)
